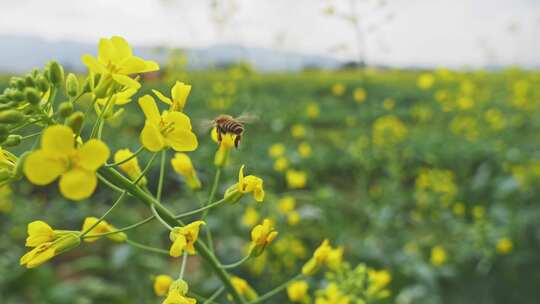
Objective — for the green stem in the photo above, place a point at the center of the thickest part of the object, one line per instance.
(133, 226)
(214, 296)
(30, 136)
(205, 208)
(183, 267)
(147, 248)
(275, 291)
(106, 182)
(161, 175)
(99, 120)
(127, 159)
(149, 200)
(120, 198)
(143, 173)
(213, 190)
(236, 264)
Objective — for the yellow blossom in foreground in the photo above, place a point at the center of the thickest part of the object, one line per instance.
(332, 295)
(319, 258)
(169, 129)
(378, 280)
(335, 258)
(250, 217)
(297, 291)
(504, 246)
(130, 167)
(184, 238)
(261, 236)
(304, 149)
(227, 143)
(298, 131)
(102, 227)
(438, 256)
(425, 81)
(179, 94)
(296, 179)
(58, 157)
(246, 184)
(39, 232)
(162, 284)
(338, 89)
(243, 288)
(116, 62)
(182, 165)
(46, 251)
(177, 293)
(360, 95)
(276, 150)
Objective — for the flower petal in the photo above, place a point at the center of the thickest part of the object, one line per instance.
(93, 64)
(58, 139)
(93, 154)
(162, 97)
(78, 184)
(41, 168)
(178, 246)
(123, 50)
(132, 65)
(126, 81)
(180, 120)
(39, 232)
(150, 109)
(179, 93)
(151, 138)
(182, 140)
(106, 51)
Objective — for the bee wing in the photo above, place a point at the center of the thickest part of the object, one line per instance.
(204, 125)
(247, 117)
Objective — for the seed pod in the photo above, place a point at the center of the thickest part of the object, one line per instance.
(75, 121)
(42, 83)
(65, 109)
(55, 73)
(12, 140)
(32, 96)
(11, 116)
(72, 85)
(18, 172)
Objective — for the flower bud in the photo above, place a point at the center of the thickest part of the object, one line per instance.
(4, 99)
(32, 96)
(16, 95)
(179, 286)
(29, 81)
(16, 83)
(72, 85)
(75, 121)
(7, 106)
(65, 109)
(55, 73)
(19, 164)
(42, 83)
(11, 116)
(67, 242)
(12, 140)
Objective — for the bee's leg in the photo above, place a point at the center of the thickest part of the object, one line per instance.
(219, 135)
(237, 140)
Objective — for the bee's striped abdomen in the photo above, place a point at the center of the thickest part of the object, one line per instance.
(231, 126)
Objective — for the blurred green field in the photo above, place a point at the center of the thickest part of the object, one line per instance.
(430, 175)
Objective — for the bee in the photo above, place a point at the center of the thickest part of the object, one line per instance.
(226, 124)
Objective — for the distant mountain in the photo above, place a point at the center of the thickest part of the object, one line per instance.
(22, 53)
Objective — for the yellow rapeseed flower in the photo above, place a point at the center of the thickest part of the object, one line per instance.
(335, 258)
(246, 184)
(102, 227)
(116, 62)
(182, 165)
(479, 212)
(276, 150)
(261, 236)
(130, 167)
(169, 129)
(281, 164)
(360, 95)
(298, 131)
(47, 243)
(227, 143)
(162, 284)
(313, 110)
(332, 295)
(304, 149)
(296, 179)
(297, 291)
(504, 245)
(6, 204)
(243, 288)
(438, 256)
(425, 81)
(179, 94)
(286, 204)
(250, 217)
(320, 257)
(58, 157)
(378, 280)
(184, 238)
(388, 130)
(338, 89)
(177, 293)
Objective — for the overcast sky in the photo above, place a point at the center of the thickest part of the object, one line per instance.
(398, 32)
